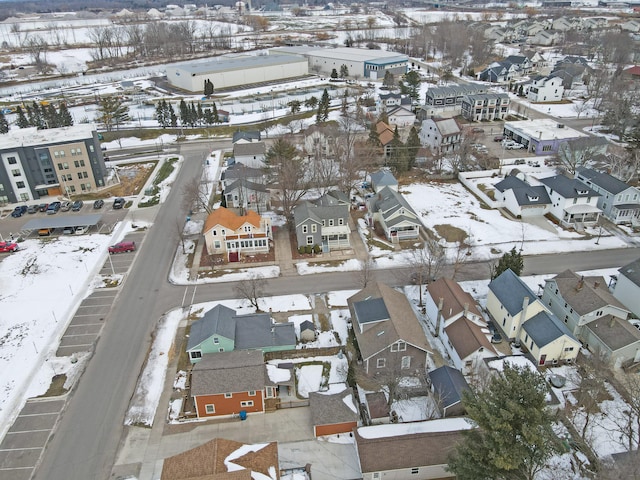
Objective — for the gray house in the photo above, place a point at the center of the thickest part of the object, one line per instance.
(383, 178)
(222, 330)
(247, 195)
(250, 153)
(395, 215)
(324, 222)
(448, 384)
(239, 171)
(619, 202)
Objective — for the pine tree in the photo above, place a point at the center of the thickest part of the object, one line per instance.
(389, 80)
(311, 103)
(22, 120)
(412, 146)
(323, 107)
(4, 124)
(200, 114)
(397, 157)
(214, 113)
(34, 113)
(413, 81)
(344, 71)
(161, 114)
(374, 139)
(64, 116)
(184, 113)
(50, 116)
(514, 438)
(334, 74)
(511, 260)
(208, 88)
(112, 111)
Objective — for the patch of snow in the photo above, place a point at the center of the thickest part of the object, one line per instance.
(309, 379)
(348, 401)
(430, 426)
(339, 298)
(278, 375)
(307, 268)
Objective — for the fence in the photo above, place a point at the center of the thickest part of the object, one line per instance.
(302, 352)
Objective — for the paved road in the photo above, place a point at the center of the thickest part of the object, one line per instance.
(86, 441)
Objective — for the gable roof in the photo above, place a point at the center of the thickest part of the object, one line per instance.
(455, 299)
(543, 328)
(605, 181)
(382, 127)
(252, 148)
(229, 372)
(332, 409)
(207, 461)
(467, 337)
(449, 384)
(217, 321)
(614, 332)
(383, 178)
(334, 205)
(632, 271)
(387, 201)
(585, 294)
(257, 330)
(402, 323)
(568, 187)
(511, 291)
(447, 126)
(240, 170)
(246, 135)
(226, 218)
(247, 185)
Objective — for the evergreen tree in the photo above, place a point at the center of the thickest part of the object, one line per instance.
(161, 114)
(173, 116)
(64, 116)
(384, 117)
(323, 107)
(4, 124)
(22, 120)
(344, 71)
(413, 81)
(412, 146)
(389, 80)
(311, 103)
(200, 114)
(214, 113)
(193, 115)
(511, 260)
(208, 88)
(184, 113)
(334, 74)
(374, 139)
(50, 116)
(514, 438)
(112, 111)
(34, 113)
(397, 157)
(294, 105)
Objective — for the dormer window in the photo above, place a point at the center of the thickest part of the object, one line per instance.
(582, 192)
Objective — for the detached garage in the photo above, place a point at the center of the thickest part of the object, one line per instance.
(333, 413)
(226, 72)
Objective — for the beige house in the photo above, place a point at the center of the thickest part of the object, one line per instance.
(235, 235)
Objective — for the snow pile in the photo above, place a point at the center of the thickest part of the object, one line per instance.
(309, 379)
(394, 430)
(278, 375)
(306, 268)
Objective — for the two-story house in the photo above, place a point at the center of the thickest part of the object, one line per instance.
(487, 106)
(236, 235)
(251, 154)
(459, 324)
(594, 315)
(390, 338)
(394, 214)
(441, 135)
(573, 203)
(324, 222)
(521, 199)
(627, 287)
(545, 89)
(618, 201)
(523, 318)
(221, 329)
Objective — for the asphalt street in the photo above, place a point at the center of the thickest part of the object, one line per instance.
(91, 428)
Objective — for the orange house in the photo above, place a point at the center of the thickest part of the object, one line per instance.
(333, 413)
(226, 383)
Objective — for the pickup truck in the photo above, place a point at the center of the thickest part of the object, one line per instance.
(122, 247)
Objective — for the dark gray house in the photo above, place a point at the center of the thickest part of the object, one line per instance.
(324, 222)
(383, 178)
(618, 201)
(448, 384)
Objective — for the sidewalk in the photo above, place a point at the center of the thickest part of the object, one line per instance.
(284, 259)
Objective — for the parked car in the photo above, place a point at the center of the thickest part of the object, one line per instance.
(45, 232)
(43, 207)
(122, 247)
(81, 230)
(65, 207)
(77, 206)
(477, 130)
(53, 208)
(68, 230)
(519, 161)
(98, 204)
(19, 211)
(118, 203)
(498, 138)
(32, 209)
(8, 247)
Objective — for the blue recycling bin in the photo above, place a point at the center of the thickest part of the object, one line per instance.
(243, 415)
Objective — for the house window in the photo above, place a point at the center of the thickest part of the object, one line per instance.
(568, 349)
(341, 221)
(406, 362)
(252, 393)
(381, 363)
(20, 184)
(12, 160)
(216, 244)
(210, 408)
(415, 471)
(305, 229)
(195, 354)
(399, 346)
(314, 228)
(248, 403)
(331, 222)
(216, 340)
(228, 395)
(16, 173)
(309, 240)
(531, 345)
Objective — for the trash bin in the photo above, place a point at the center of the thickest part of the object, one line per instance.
(243, 415)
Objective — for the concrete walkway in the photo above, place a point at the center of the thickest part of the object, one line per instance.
(284, 259)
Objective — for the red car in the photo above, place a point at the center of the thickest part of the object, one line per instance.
(8, 247)
(122, 247)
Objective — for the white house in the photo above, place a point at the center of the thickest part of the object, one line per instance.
(545, 89)
(521, 199)
(573, 204)
(251, 154)
(440, 134)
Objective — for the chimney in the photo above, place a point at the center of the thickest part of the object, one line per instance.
(580, 283)
(596, 285)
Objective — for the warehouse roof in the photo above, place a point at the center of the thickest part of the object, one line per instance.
(224, 64)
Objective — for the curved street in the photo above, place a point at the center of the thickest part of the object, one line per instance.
(91, 428)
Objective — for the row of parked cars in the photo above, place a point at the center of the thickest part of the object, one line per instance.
(54, 207)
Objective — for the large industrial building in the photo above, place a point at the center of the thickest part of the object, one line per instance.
(38, 163)
(361, 62)
(226, 72)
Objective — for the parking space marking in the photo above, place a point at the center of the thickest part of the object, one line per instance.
(31, 431)
(92, 306)
(20, 448)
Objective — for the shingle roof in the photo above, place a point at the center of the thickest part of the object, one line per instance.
(455, 299)
(229, 372)
(467, 337)
(217, 321)
(258, 331)
(228, 219)
(447, 126)
(240, 170)
(247, 185)
(511, 291)
(206, 462)
(332, 205)
(387, 201)
(402, 323)
(448, 384)
(614, 332)
(632, 271)
(582, 293)
(370, 310)
(608, 182)
(544, 328)
(332, 409)
(383, 178)
(246, 135)
(569, 187)
(252, 148)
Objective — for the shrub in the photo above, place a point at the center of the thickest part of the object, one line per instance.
(308, 249)
(316, 248)
(301, 249)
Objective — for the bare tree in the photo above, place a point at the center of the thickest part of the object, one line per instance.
(579, 152)
(252, 289)
(182, 236)
(427, 263)
(366, 272)
(627, 421)
(461, 253)
(196, 195)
